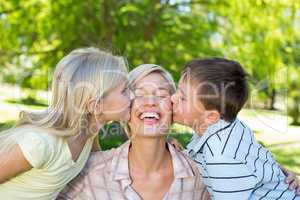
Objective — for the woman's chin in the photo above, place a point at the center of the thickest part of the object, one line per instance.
(152, 135)
(152, 132)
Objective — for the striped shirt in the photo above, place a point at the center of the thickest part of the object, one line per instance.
(106, 177)
(235, 166)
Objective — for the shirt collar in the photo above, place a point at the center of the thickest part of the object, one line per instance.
(120, 167)
(198, 141)
(181, 167)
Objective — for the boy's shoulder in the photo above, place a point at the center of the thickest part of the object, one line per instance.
(222, 139)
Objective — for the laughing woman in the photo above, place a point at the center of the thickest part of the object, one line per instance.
(145, 167)
(48, 149)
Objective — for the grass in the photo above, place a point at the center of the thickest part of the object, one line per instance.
(288, 157)
(10, 111)
(116, 140)
(286, 154)
(29, 101)
(6, 125)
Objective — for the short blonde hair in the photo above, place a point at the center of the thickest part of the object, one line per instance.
(145, 69)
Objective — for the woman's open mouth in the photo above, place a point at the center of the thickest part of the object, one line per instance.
(150, 118)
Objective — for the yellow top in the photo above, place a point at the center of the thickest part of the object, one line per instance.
(52, 163)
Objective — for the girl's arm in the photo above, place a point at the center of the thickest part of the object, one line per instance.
(12, 164)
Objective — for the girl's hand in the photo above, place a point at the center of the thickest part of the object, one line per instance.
(175, 143)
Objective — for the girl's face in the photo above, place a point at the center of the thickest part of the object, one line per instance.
(151, 112)
(115, 106)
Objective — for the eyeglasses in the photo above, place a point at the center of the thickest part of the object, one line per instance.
(146, 96)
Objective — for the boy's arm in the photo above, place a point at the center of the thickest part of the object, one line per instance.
(229, 179)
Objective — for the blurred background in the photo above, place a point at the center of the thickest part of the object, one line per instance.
(263, 35)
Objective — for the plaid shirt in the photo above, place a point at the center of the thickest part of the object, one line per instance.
(106, 177)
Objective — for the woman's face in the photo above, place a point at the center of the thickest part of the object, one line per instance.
(115, 106)
(151, 111)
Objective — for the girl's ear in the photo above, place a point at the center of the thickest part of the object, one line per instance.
(93, 107)
(212, 116)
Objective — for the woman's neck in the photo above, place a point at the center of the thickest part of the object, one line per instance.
(149, 154)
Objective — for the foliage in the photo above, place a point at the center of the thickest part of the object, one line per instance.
(261, 34)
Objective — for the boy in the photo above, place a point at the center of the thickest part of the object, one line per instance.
(234, 165)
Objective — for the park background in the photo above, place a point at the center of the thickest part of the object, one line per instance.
(263, 35)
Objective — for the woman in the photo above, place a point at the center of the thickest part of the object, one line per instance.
(146, 167)
(48, 149)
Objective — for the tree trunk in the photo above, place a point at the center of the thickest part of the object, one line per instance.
(295, 112)
(108, 21)
(273, 99)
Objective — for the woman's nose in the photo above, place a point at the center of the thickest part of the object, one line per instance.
(151, 101)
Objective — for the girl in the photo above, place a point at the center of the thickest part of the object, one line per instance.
(48, 149)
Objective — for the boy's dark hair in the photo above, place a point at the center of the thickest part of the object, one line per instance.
(222, 85)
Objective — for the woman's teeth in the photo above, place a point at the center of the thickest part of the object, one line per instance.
(150, 118)
(149, 115)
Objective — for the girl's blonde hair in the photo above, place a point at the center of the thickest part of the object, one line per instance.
(82, 75)
(144, 70)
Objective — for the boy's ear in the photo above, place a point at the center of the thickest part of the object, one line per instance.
(212, 116)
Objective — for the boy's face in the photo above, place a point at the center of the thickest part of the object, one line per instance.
(187, 108)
